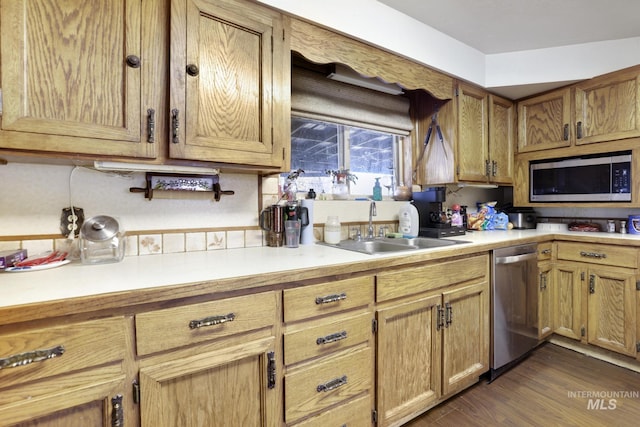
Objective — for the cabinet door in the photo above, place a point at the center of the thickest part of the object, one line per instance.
(567, 294)
(545, 313)
(466, 336)
(502, 119)
(608, 108)
(473, 139)
(408, 362)
(222, 82)
(612, 309)
(97, 401)
(543, 121)
(219, 388)
(65, 73)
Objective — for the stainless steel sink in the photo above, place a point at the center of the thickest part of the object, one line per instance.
(386, 245)
(374, 246)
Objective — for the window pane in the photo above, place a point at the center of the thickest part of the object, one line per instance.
(318, 146)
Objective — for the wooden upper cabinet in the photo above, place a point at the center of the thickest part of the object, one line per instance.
(72, 69)
(502, 136)
(228, 83)
(608, 107)
(473, 133)
(544, 121)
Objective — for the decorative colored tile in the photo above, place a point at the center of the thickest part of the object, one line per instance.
(196, 242)
(253, 238)
(149, 244)
(235, 239)
(172, 243)
(215, 240)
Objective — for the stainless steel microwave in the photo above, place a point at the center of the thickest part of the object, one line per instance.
(593, 178)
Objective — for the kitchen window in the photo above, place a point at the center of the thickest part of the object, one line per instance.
(340, 126)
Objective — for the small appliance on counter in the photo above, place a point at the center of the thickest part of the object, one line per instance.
(102, 240)
(522, 218)
(434, 222)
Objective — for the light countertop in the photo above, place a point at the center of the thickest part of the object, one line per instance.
(242, 268)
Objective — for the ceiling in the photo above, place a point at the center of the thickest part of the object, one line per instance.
(499, 26)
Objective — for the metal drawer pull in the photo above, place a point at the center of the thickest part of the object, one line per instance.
(338, 336)
(333, 384)
(592, 254)
(271, 370)
(546, 251)
(331, 298)
(31, 357)
(211, 321)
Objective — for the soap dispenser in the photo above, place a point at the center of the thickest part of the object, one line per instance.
(377, 190)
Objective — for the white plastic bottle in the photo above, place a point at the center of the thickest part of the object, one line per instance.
(332, 230)
(408, 220)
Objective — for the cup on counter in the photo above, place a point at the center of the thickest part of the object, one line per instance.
(292, 233)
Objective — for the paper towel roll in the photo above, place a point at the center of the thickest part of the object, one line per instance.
(306, 238)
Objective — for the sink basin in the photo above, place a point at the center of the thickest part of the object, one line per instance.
(386, 245)
(374, 246)
(426, 242)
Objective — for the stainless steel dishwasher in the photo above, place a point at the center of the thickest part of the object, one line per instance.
(514, 306)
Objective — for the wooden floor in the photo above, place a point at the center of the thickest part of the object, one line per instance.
(549, 388)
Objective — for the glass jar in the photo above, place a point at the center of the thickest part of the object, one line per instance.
(332, 230)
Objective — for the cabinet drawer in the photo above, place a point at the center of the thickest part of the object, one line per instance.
(400, 283)
(599, 254)
(351, 414)
(175, 327)
(327, 298)
(40, 353)
(545, 251)
(326, 336)
(327, 383)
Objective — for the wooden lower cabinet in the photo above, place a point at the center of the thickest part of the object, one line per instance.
(228, 378)
(64, 375)
(328, 353)
(230, 386)
(595, 297)
(433, 344)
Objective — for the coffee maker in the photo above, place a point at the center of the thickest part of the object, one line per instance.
(434, 222)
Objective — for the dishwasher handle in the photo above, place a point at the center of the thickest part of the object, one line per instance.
(516, 258)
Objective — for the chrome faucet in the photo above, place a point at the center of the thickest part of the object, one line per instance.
(372, 213)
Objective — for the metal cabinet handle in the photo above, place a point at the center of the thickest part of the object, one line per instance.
(175, 125)
(193, 70)
(579, 130)
(448, 315)
(212, 320)
(338, 336)
(117, 415)
(271, 370)
(31, 357)
(151, 125)
(439, 318)
(331, 298)
(546, 251)
(487, 168)
(565, 135)
(543, 281)
(592, 255)
(332, 385)
(592, 284)
(133, 61)
(494, 168)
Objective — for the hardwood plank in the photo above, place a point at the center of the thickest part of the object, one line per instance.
(554, 386)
